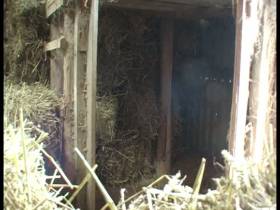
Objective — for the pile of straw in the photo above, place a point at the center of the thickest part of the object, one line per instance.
(127, 74)
(25, 182)
(251, 187)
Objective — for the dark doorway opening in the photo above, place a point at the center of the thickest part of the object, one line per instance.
(201, 94)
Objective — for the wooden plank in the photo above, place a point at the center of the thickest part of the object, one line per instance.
(164, 141)
(76, 79)
(56, 64)
(52, 6)
(79, 103)
(55, 44)
(236, 78)
(245, 52)
(91, 96)
(68, 117)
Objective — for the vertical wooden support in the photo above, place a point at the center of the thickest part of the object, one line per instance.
(238, 28)
(79, 103)
(164, 141)
(69, 162)
(76, 78)
(240, 85)
(56, 61)
(251, 57)
(91, 96)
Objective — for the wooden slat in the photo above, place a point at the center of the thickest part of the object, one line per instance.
(76, 79)
(52, 6)
(79, 103)
(164, 141)
(69, 163)
(236, 79)
(56, 63)
(56, 44)
(248, 32)
(91, 96)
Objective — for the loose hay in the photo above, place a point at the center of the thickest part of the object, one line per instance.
(25, 182)
(254, 187)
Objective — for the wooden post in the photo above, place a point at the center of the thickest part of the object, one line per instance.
(238, 28)
(69, 162)
(91, 96)
(79, 102)
(251, 56)
(56, 61)
(240, 87)
(164, 141)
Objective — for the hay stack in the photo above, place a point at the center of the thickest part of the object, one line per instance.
(26, 29)
(127, 74)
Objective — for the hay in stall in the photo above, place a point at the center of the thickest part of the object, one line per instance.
(26, 29)
(252, 187)
(26, 186)
(40, 106)
(128, 60)
(106, 118)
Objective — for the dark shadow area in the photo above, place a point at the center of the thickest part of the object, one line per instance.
(202, 92)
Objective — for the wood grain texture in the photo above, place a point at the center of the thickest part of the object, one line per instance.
(91, 96)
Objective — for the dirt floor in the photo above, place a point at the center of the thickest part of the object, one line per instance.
(188, 163)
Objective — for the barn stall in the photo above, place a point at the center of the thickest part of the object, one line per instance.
(154, 94)
(151, 117)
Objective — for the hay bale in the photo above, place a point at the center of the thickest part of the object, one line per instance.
(40, 106)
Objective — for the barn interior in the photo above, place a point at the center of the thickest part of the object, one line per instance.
(130, 89)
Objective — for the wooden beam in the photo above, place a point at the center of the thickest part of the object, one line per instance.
(56, 62)
(164, 141)
(69, 163)
(236, 77)
(52, 6)
(91, 96)
(77, 79)
(56, 44)
(179, 10)
(247, 36)
(79, 101)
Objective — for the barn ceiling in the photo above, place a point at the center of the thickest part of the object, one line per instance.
(178, 8)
